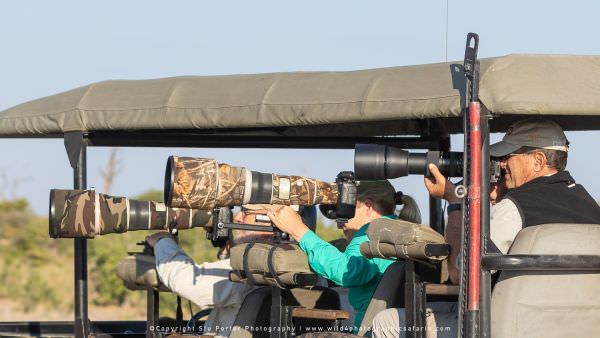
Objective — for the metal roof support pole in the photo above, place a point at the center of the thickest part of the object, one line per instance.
(469, 315)
(76, 147)
(473, 323)
(485, 282)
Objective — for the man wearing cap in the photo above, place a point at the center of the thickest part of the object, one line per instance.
(533, 157)
(349, 269)
(538, 190)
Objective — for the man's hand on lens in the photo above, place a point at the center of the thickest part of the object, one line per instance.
(288, 221)
(439, 186)
(152, 239)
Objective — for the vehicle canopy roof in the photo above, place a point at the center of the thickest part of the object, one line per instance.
(386, 101)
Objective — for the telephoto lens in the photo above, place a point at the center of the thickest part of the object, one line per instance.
(86, 214)
(378, 162)
(202, 183)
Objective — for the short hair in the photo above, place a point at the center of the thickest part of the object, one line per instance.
(555, 159)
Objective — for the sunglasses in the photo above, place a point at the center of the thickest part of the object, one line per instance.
(506, 157)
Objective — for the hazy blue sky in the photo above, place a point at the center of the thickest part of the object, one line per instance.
(51, 46)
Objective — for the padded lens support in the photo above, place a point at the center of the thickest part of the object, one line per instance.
(282, 265)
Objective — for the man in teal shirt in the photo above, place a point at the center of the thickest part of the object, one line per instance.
(349, 269)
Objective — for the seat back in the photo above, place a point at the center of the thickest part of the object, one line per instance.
(549, 303)
(255, 310)
(388, 294)
(254, 313)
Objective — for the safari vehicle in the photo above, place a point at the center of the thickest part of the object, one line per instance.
(549, 283)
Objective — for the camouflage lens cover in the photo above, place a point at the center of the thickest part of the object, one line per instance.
(195, 182)
(299, 190)
(84, 214)
(202, 183)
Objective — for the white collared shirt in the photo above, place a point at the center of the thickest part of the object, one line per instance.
(206, 285)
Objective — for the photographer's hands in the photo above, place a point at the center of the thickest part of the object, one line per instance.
(154, 238)
(288, 221)
(439, 186)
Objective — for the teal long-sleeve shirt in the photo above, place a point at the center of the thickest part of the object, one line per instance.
(348, 269)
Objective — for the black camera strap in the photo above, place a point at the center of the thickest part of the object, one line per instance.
(249, 278)
(271, 267)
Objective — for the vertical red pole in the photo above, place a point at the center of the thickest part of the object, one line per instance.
(474, 207)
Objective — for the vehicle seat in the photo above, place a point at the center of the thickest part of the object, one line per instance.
(388, 294)
(549, 303)
(254, 312)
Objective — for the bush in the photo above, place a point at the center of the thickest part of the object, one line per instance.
(19, 204)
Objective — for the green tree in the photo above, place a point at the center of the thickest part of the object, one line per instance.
(18, 205)
(150, 195)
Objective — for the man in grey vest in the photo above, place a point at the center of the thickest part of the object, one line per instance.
(539, 190)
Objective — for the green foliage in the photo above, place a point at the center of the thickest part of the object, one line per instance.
(150, 195)
(327, 230)
(36, 290)
(19, 204)
(105, 253)
(27, 258)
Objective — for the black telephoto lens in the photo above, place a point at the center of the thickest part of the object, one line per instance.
(378, 162)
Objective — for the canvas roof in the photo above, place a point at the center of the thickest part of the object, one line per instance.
(365, 102)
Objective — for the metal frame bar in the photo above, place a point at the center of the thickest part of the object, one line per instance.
(467, 318)
(279, 313)
(485, 281)
(152, 315)
(190, 140)
(58, 328)
(475, 202)
(76, 148)
(413, 301)
(542, 262)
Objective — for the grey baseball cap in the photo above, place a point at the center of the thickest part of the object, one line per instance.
(536, 133)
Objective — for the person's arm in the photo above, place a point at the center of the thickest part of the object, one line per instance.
(205, 285)
(452, 237)
(440, 187)
(347, 269)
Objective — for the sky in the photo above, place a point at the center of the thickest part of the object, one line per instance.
(47, 47)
